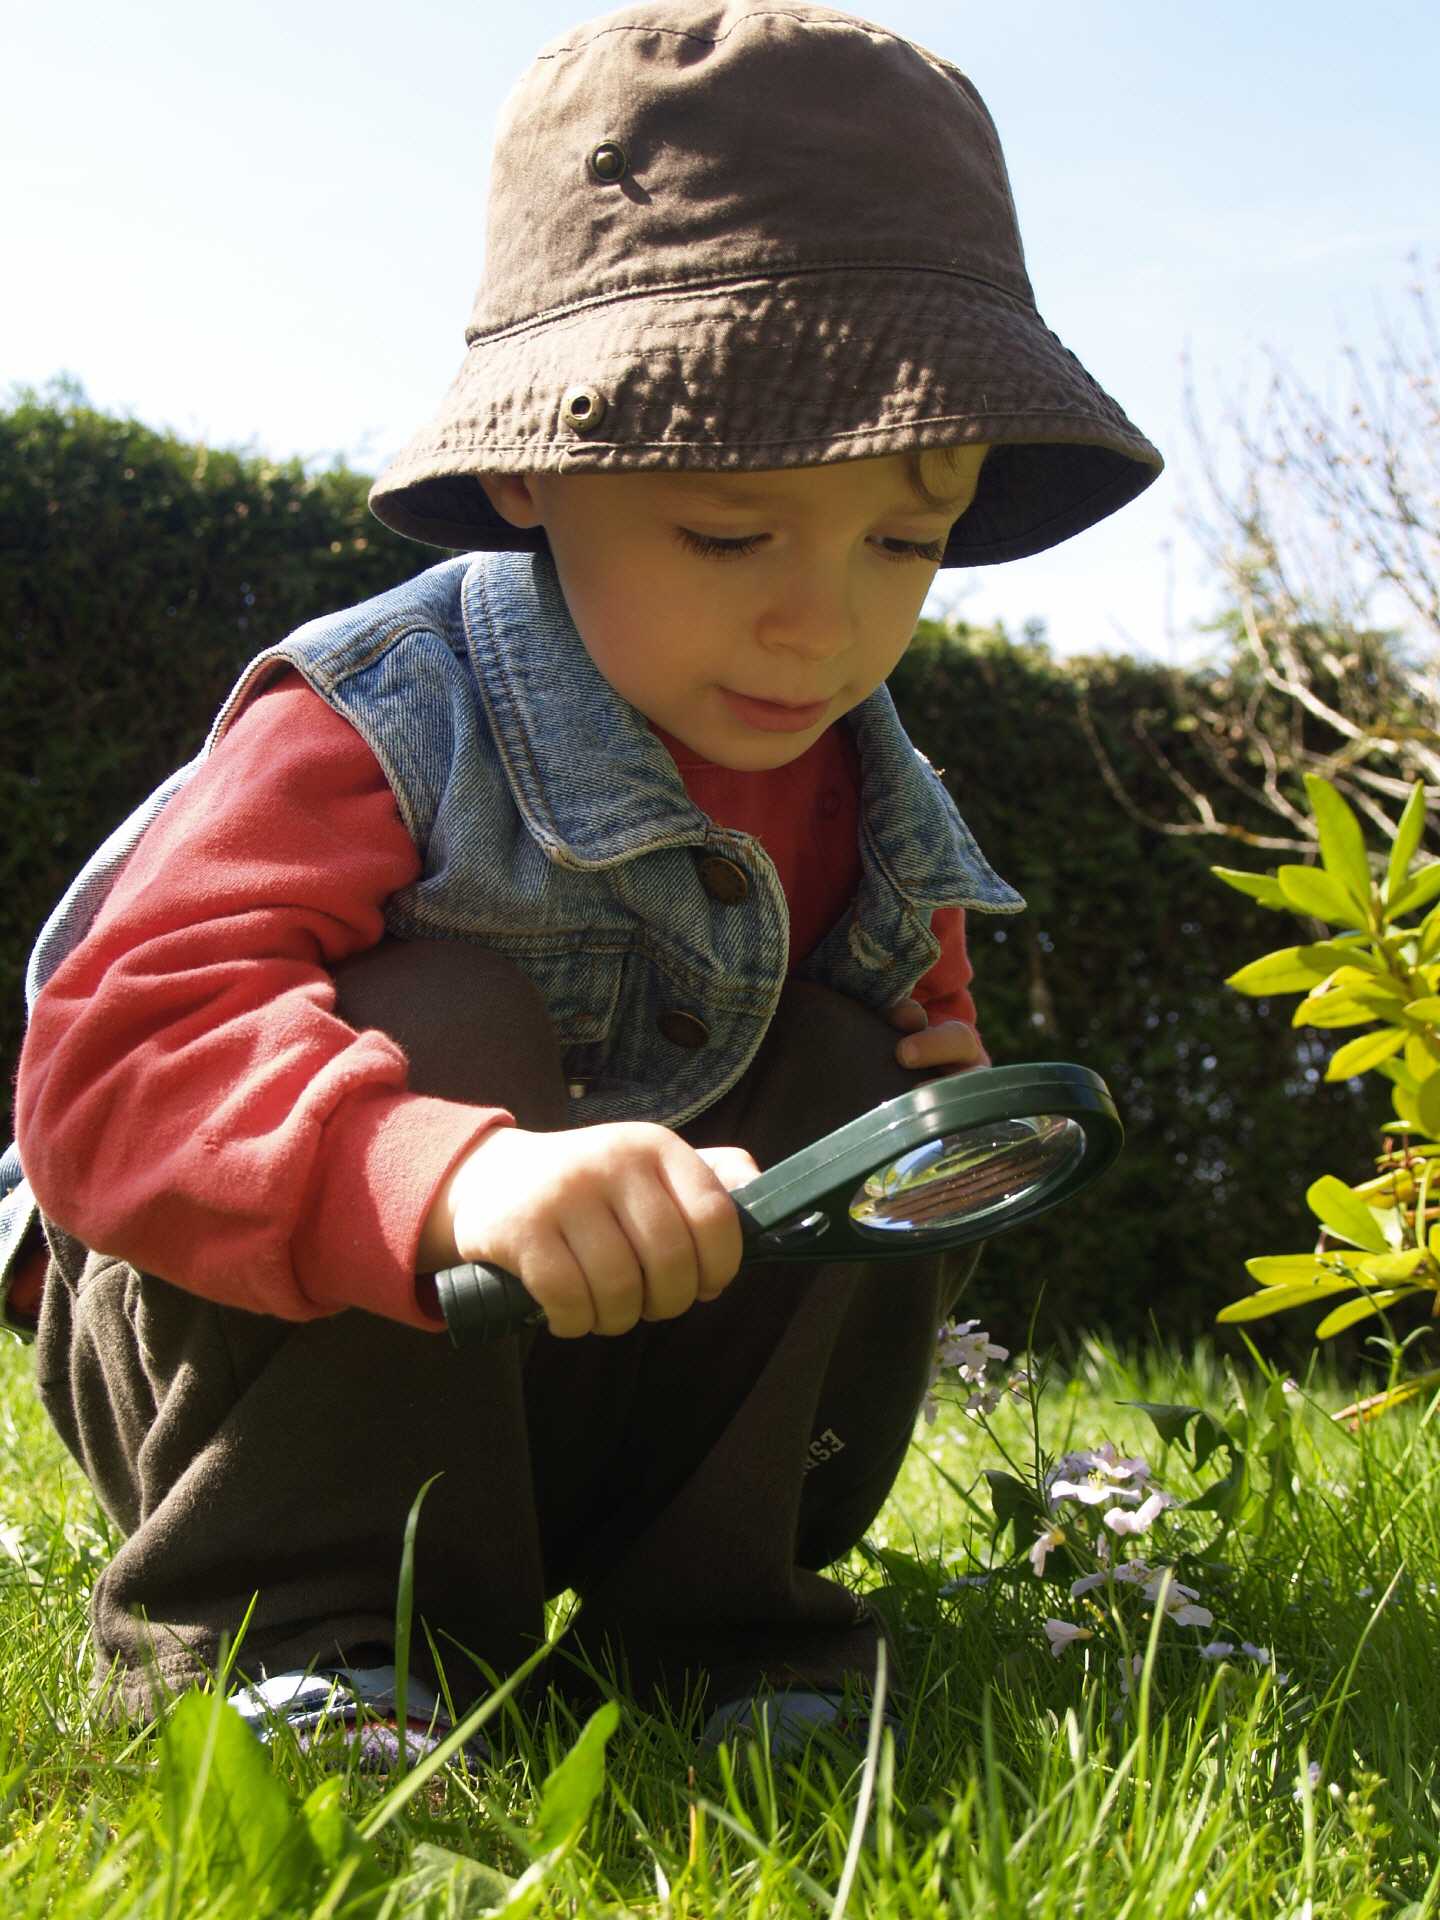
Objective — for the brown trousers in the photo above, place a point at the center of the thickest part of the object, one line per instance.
(686, 1479)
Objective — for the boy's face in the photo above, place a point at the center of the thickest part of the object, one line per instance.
(744, 613)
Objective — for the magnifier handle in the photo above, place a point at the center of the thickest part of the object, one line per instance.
(484, 1304)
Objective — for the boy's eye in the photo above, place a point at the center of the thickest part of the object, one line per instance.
(715, 548)
(932, 551)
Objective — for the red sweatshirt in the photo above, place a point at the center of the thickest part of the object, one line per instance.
(188, 1099)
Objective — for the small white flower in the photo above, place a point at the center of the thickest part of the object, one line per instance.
(1095, 1475)
(1130, 1672)
(1061, 1633)
(1217, 1650)
(1144, 1516)
(1262, 1656)
(1087, 1583)
(1045, 1544)
(1188, 1616)
(1179, 1600)
(1085, 1491)
(985, 1401)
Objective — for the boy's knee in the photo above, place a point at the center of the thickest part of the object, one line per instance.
(473, 1025)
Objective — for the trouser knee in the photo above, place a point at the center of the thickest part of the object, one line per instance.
(472, 1025)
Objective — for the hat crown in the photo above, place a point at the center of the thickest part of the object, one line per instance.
(752, 141)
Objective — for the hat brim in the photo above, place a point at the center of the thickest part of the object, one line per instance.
(797, 370)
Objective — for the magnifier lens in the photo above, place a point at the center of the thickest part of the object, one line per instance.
(964, 1176)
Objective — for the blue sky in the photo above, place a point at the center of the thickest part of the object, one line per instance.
(262, 223)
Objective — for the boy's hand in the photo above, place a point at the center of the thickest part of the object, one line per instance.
(949, 1047)
(606, 1225)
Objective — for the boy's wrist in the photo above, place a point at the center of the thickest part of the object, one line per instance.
(438, 1247)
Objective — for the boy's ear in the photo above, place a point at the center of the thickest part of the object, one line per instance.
(512, 497)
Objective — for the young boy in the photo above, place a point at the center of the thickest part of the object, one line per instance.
(518, 914)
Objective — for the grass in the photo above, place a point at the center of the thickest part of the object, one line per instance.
(1028, 1784)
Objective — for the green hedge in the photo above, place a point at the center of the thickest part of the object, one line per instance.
(138, 573)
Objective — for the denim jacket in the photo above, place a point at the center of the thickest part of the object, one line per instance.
(554, 828)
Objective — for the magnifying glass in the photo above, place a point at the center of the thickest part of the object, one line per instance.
(958, 1159)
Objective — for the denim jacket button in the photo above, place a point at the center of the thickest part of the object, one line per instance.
(723, 880)
(683, 1029)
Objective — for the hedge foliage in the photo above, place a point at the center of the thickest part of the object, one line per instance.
(138, 573)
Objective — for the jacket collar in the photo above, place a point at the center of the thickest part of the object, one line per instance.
(570, 743)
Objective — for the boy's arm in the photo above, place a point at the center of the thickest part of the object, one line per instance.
(187, 1098)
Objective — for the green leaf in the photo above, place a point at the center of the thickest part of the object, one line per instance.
(222, 1799)
(1390, 1267)
(1289, 1269)
(1356, 1310)
(1429, 937)
(1342, 844)
(1328, 955)
(1263, 887)
(1284, 971)
(1226, 1496)
(1015, 1504)
(1426, 1008)
(1259, 1306)
(1358, 1056)
(572, 1789)
(442, 1882)
(1406, 844)
(341, 1850)
(1346, 1216)
(1427, 1105)
(1170, 1422)
(1310, 890)
(1331, 1010)
(1418, 893)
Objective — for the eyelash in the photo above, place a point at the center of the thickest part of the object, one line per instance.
(709, 548)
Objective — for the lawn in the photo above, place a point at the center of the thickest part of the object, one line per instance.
(1114, 1770)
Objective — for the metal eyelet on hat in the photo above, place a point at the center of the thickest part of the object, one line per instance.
(582, 408)
(609, 162)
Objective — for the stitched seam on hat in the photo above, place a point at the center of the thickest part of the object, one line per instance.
(789, 271)
(480, 445)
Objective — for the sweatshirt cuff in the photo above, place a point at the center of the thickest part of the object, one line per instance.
(385, 1157)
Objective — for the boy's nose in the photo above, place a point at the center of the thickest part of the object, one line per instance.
(813, 619)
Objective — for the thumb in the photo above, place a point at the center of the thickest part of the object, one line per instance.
(732, 1166)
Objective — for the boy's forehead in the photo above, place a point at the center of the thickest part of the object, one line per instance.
(885, 482)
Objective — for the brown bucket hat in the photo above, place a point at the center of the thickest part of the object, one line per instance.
(757, 236)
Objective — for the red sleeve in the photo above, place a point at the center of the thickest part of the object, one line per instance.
(944, 991)
(187, 1098)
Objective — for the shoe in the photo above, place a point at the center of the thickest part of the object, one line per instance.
(361, 1700)
(790, 1718)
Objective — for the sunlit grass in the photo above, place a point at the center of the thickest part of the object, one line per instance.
(1025, 1784)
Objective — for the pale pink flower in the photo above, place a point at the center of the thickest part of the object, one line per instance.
(1045, 1544)
(1144, 1516)
(1061, 1633)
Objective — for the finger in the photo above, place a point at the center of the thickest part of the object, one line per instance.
(908, 1015)
(555, 1278)
(655, 1225)
(611, 1268)
(953, 1045)
(701, 1182)
(732, 1166)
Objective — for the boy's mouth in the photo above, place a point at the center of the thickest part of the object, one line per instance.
(773, 716)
